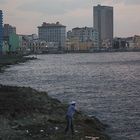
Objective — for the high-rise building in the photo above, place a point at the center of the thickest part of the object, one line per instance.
(8, 30)
(53, 32)
(103, 23)
(1, 30)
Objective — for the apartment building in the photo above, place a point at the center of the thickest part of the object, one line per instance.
(84, 38)
(53, 32)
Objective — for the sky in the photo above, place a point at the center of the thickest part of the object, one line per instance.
(27, 15)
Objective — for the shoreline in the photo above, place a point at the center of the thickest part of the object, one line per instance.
(26, 113)
(103, 50)
(7, 60)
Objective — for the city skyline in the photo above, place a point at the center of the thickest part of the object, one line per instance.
(27, 15)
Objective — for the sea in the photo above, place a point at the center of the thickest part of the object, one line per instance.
(104, 85)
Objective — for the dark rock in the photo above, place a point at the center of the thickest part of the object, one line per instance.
(28, 109)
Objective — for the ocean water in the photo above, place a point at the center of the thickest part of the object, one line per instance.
(105, 85)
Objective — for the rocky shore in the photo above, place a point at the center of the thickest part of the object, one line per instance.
(6, 60)
(27, 114)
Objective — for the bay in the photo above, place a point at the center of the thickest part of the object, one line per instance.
(105, 85)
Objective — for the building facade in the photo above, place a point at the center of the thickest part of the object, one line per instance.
(1, 31)
(85, 34)
(103, 23)
(53, 32)
(136, 39)
(133, 42)
(14, 43)
(120, 43)
(82, 39)
(8, 30)
(5, 48)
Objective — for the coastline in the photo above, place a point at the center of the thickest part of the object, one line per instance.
(7, 60)
(27, 114)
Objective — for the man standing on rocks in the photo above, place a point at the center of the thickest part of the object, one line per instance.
(69, 117)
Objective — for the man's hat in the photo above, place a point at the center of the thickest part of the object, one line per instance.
(72, 102)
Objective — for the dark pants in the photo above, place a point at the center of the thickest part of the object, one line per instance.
(69, 124)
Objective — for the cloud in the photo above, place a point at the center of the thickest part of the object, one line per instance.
(3, 1)
(26, 15)
(130, 2)
(54, 7)
(126, 2)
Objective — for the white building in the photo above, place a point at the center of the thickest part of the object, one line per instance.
(134, 42)
(53, 32)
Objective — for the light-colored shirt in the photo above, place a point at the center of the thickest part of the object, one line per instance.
(71, 110)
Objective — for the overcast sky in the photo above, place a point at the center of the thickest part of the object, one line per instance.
(26, 15)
